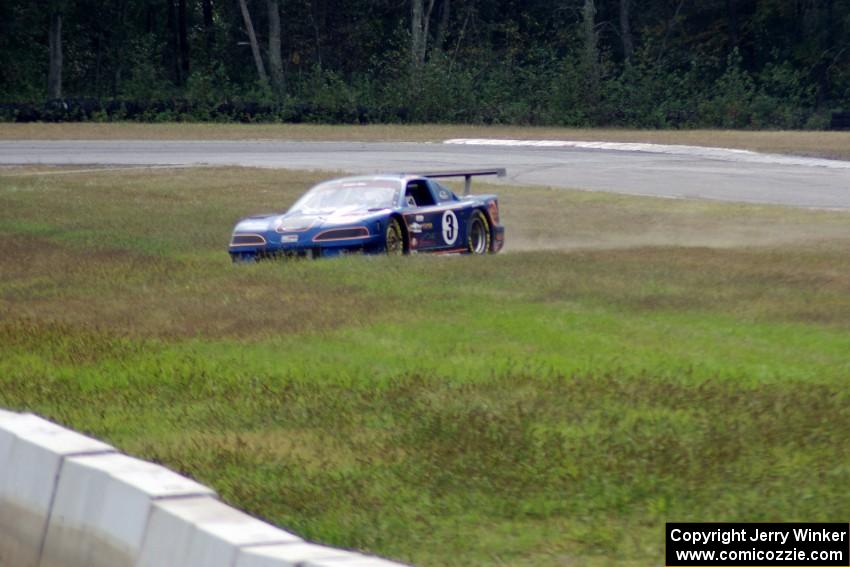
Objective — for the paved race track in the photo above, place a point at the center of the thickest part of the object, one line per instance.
(633, 172)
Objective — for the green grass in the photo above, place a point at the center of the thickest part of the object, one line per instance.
(661, 361)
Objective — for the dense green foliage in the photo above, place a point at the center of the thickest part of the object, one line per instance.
(531, 408)
(717, 63)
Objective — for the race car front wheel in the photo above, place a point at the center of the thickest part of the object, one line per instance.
(478, 238)
(393, 239)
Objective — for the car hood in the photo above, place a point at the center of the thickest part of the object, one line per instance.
(299, 221)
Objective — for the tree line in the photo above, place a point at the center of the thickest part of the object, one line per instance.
(639, 63)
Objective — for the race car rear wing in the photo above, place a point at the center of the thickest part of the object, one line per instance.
(467, 175)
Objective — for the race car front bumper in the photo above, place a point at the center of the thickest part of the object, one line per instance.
(276, 246)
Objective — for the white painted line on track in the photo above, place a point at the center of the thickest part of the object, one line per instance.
(725, 154)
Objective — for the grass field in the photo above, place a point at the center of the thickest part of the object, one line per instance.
(824, 144)
(659, 361)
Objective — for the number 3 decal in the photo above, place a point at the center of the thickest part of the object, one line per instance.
(449, 227)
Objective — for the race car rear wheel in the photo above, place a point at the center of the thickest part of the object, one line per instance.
(394, 239)
(478, 239)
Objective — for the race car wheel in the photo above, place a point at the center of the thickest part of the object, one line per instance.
(394, 239)
(478, 239)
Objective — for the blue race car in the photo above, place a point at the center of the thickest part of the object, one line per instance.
(388, 213)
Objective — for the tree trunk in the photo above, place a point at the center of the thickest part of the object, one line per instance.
(827, 49)
(54, 70)
(443, 27)
(425, 27)
(174, 27)
(317, 37)
(275, 61)
(116, 45)
(99, 43)
(626, 30)
(420, 20)
(209, 30)
(416, 12)
(591, 49)
(252, 37)
(183, 36)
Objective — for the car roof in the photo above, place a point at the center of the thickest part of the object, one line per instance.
(375, 177)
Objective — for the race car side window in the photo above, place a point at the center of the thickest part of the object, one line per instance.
(420, 193)
(444, 194)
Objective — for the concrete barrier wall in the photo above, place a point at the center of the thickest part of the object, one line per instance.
(203, 531)
(101, 509)
(32, 451)
(68, 500)
(291, 555)
(306, 555)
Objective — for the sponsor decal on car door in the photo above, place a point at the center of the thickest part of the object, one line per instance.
(450, 228)
(437, 228)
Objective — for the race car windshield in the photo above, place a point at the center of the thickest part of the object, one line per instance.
(332, 197)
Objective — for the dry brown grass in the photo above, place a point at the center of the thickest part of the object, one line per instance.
(539, 218)
(135, 294)
(824, 144)
(143, 252)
